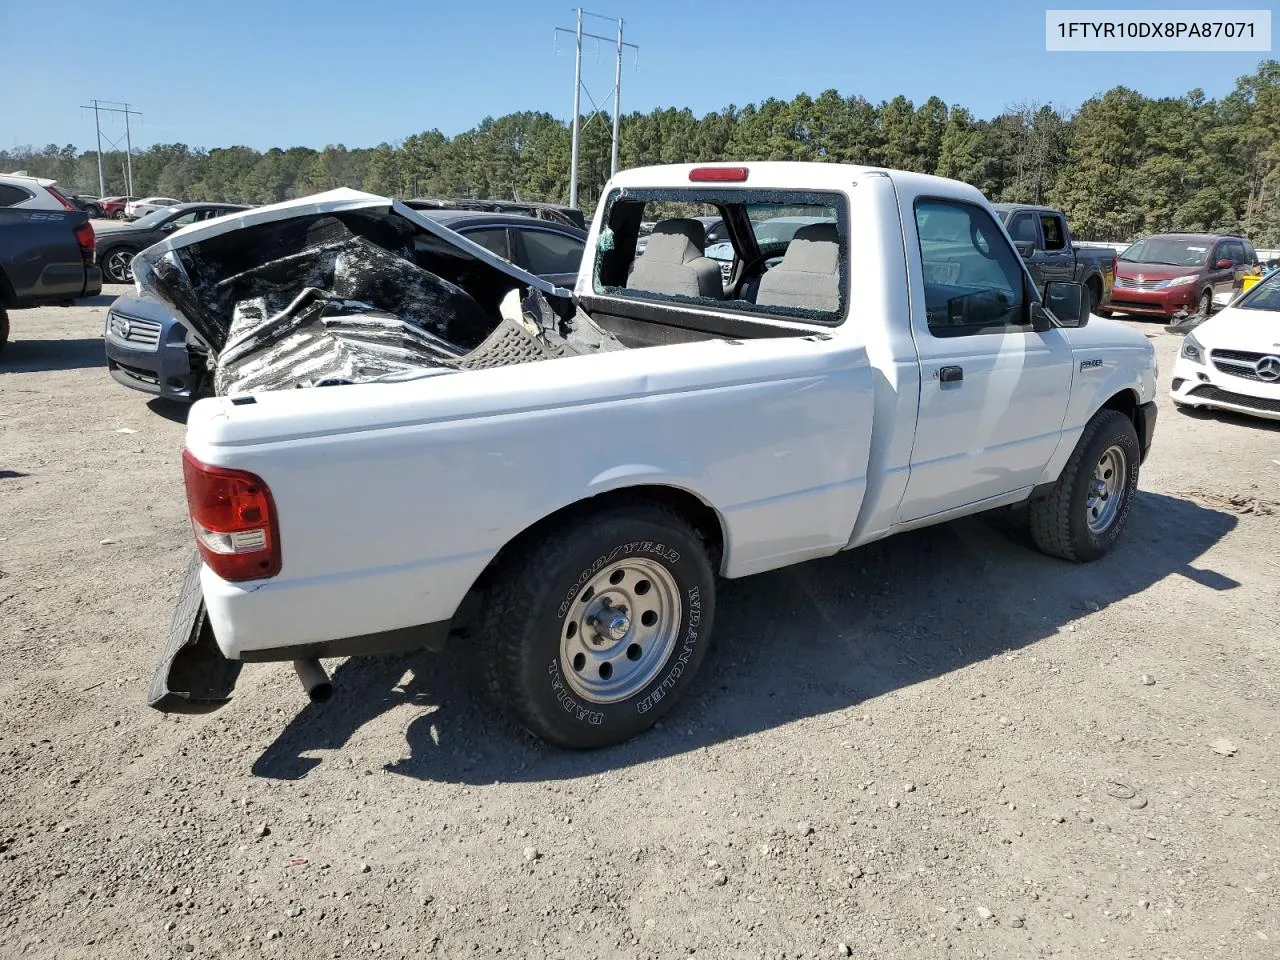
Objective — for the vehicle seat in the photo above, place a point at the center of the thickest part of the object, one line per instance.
(809, 275)
(673, 262)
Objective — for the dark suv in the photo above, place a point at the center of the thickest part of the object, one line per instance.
(1181, 273)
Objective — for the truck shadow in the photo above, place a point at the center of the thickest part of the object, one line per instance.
(809, 640)
(30, 356)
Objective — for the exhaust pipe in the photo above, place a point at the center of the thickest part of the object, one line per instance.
(314, 680)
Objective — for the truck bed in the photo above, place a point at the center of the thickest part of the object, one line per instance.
(42, 260)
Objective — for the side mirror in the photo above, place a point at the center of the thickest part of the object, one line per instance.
(1025, 248)
(1224, 264)
(166, 227)
(1068, 301)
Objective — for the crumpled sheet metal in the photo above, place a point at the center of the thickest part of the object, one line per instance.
(357, 295)
(412, 320)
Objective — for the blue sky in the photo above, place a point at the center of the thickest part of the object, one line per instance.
(311, 72)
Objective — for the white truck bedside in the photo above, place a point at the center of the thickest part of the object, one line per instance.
(875, 359)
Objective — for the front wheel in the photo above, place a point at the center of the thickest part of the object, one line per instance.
(594, 630)
(117, 264)
(1205, 303)
(1084, 514)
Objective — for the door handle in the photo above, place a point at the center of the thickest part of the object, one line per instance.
(950, 374)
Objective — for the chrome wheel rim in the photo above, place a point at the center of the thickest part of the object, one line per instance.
(120, 266)
(1106, 490)
(620, 630)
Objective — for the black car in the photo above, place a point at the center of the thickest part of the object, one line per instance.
(148, 349)
(550, 249)
(118, 244)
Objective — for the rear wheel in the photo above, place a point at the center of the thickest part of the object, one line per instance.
(4, 329)
(593, 630)
(1084, 514)
(1095, 295)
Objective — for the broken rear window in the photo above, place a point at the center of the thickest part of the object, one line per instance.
(782, 253)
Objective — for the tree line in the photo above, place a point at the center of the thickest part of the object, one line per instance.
(1121, 165)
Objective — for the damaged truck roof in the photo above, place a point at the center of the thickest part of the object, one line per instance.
(347, 286)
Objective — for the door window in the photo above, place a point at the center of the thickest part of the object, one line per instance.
(12, 196)
(973, 280)
(1054, 236)
(493, 238)
(1023, 229)
(546, 252)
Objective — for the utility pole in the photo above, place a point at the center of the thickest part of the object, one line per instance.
(579, 89)
(102, 183)
(617, 104)
(128, 153)
(98, 108)
(577, 113)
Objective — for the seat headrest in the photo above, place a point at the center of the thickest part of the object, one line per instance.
(675, 241)
(814, 248)
(687, 227)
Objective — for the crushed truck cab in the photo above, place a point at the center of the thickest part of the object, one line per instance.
(560, 479)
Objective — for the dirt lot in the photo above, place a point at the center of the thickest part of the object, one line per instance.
(939, 746)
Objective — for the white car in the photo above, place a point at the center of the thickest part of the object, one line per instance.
(31, 193)
(570, 489)
(1232, 360)
(140, 208)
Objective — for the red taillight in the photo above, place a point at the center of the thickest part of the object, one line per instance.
(234, 519)
(61, 199)
(88, 241)
(718, 174)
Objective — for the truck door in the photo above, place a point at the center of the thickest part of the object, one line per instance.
(1059, 260)
(993, 391)
(1024, 227)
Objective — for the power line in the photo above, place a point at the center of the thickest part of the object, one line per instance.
(114, 106)
(579, 89)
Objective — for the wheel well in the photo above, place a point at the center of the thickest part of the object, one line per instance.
(1126, 402)
(1094, 283)
(701, 517)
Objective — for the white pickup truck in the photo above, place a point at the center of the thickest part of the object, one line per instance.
(888, 364)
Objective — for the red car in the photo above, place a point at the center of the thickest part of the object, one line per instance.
(113, 207)
(1181, 273)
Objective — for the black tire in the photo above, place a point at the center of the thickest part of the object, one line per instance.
(111, 270)
(1095, 295)
(4, 329)
(1059, 520)
(93, 210)
(1204, 306)
(525, 616)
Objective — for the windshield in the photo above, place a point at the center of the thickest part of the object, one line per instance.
(1173, 253)
(1264, 296)
(154, 218)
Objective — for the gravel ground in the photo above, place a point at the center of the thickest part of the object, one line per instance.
(944, 745)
